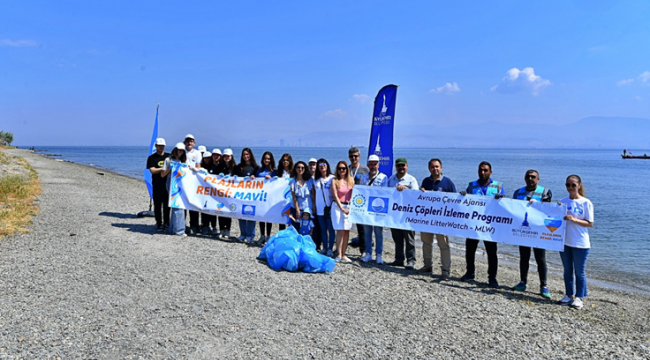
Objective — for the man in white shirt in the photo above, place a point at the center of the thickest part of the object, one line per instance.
(373, 178)
(401, 180)
(194, 158)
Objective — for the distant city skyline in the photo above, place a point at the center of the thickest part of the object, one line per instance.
(267, 74)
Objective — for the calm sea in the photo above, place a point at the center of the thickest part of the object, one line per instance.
(620, 241)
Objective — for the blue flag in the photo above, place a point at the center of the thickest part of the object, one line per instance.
(381, 133)
(152, 149)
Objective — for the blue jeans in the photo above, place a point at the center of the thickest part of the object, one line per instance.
(247, 228)
(325, 228)
(379, 236)
(574, 261)
(177, 226)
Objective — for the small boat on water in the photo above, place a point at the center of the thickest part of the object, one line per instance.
(628, 156)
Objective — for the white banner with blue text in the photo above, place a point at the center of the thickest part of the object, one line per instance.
(509, 221)
(230, 196)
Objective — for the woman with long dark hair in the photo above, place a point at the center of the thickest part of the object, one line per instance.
(285, 170)
(178, 155)
(580, 217)
(323, 201)
(247, 168)
(302, 193)
(267, 171)
(342, 185)
(225, 167)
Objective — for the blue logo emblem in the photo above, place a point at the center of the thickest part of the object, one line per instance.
(359, 201)
(378, 205)
(248, 210)
(525, 222)
(553, 224)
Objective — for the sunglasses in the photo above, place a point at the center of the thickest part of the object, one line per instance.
(531, 177)
(353, 156)
(266, 158)
(571, 185)
(341, 168)
(286, 160)
(400, 165)
(300, 168)
(322, 164)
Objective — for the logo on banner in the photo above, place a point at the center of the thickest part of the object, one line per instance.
(233, 207)
(248, 210)
(524, 230)
(220, 206)
(525, 223)
(359, 200)
(378, 205)
(553, 224)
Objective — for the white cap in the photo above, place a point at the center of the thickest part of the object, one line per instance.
(373, 158)
(227, 152)
(189, 136)
(216, 151)
(207, 154)
(312, 160)
(160, 141)
(180, 146)
(202, 148)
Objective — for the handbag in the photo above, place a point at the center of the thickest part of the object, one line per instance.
(327, 211)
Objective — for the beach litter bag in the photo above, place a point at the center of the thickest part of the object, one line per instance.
(291, 251)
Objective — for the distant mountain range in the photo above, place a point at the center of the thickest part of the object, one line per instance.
(591, 132)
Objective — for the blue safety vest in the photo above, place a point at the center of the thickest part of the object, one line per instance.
(538, 194)
(493, 188)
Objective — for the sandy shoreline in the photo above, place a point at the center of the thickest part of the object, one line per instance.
(91, 280)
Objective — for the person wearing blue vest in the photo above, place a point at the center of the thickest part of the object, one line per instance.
(484, 186)
(532, 193)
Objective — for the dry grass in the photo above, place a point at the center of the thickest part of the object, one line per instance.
(18, 193)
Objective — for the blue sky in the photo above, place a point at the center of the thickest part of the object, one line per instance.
(88, 73)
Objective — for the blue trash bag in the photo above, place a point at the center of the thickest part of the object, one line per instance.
(290, 251)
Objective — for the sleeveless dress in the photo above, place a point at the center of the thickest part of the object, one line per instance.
(339, 218)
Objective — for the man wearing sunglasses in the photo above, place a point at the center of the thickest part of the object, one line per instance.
(532, 192)
(484, 186)
(401, 180)
(357, 170)
(373, 178)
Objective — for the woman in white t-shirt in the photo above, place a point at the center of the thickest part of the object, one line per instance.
(322, 188)
(178, 155)
(580, 216)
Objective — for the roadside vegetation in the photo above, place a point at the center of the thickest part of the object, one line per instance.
(6, 138)
(19, 187)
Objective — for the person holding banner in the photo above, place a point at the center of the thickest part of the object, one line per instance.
(267, 171)
(373, 178)
(532, 192)
(484, 186)
(580, 217)
(436, 182)
(302, 193)
(194, 158)
(403, 238)
(155, 163)
(247, 168)
(177, 226)
(207, 219)
(357, 170)
(225, 167)
(341, 189)
(285, 170)
(323, 197)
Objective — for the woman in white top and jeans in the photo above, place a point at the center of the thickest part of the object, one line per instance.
(322, 188)
(580, 216)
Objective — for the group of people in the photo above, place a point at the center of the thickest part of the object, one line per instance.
(323, 194)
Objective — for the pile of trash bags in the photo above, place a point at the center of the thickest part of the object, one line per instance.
(291, 251)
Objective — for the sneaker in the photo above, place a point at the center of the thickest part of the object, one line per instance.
(248, 239)
(159, 228)
(410, 265)
(166, 228)
(467, 277)
(346, 259)
(379, 260)
(396, 263)
(323, 252)
(241, 238)
(226, 234)
(330, 253)
(338, 259)
(366, 257)
(445, 276)
(216, 232)
(566, 300)
(424, 269)
(206, 231)
(577, 303)
(262, 239)
(545, 293)
(493, 283)
(520, 287)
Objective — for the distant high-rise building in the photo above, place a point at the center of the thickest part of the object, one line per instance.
(281, 142)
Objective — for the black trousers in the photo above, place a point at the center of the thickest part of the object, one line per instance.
(404, 239)
(362, 238)
(224, 223)
(265, 228)
(194, 219)
(524, 264)
(470, 254)
(316, 234)
(208, 220)
(161, 206)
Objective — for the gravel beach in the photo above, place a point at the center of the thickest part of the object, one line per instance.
(91, 280)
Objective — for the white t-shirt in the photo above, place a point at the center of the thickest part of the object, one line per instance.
(193, 157)
(323, 187)
(582, 209)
